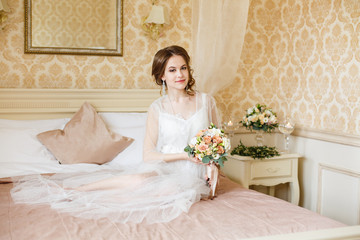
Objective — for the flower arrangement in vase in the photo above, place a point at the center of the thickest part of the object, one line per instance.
(260, 118)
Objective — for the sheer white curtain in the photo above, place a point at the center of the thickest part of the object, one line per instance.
(218, 30)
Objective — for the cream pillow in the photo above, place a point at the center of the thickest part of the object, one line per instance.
(85, 139)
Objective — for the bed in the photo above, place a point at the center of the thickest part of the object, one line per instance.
(236, 213)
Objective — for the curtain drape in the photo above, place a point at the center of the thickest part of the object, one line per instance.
(218, 30)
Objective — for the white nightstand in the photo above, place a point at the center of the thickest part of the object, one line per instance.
(266, 172)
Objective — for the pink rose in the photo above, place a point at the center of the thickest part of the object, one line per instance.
(207, 139)
(202, 147)
(220, 150)
(217, 139)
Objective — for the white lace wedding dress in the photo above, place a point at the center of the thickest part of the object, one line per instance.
(150, 192)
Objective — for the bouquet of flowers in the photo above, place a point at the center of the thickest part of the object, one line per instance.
(210, 146)
(259, 117)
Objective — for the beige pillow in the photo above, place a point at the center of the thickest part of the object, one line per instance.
(85, 139)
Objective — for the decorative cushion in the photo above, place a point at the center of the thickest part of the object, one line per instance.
(85, 139)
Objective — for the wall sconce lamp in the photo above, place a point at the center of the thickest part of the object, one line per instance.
(154, 23)
(4, 7)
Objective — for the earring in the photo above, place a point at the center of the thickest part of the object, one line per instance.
(163, 91)
(187, 88)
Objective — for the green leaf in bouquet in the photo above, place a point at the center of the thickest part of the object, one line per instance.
(189, 150)
(206, 159)
(222, 160)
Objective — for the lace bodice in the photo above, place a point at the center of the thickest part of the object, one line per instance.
(176, 132)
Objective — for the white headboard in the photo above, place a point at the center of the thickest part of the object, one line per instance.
(56, 103)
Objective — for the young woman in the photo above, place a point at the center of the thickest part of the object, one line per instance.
(177, 116)
(166, 184)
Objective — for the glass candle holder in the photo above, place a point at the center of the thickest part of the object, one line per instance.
(230, 126)
(286, 127)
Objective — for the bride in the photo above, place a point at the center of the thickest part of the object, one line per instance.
(168, 181)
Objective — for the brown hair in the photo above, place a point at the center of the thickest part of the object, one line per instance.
(162, 57)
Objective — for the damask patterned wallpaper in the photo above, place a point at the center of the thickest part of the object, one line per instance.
(133, 70)
(300, 57)
(74, 24)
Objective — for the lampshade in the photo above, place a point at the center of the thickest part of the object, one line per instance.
(157, 15)
(4, 6)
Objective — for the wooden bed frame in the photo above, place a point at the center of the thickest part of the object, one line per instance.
(20, 104)
(24, 104)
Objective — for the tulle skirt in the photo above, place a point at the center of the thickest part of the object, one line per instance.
(149, 193)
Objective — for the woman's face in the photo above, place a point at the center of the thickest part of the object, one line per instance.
(176, 73)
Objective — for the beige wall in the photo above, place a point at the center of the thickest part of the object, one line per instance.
(300, 57)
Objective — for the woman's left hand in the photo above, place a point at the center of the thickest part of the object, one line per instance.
(195, 160)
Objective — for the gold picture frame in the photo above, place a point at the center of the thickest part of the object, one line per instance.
(74, 27)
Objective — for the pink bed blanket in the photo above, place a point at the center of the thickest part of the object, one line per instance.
(236, 213)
